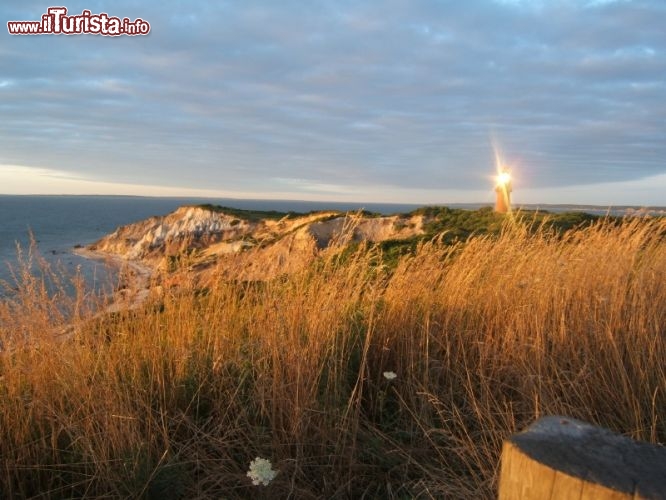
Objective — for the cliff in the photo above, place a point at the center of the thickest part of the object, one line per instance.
(247, 245)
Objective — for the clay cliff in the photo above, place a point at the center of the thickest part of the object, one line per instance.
(246, 245)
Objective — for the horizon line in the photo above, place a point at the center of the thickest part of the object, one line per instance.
(516, 205)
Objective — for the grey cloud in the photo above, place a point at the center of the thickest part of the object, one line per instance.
(234, 94)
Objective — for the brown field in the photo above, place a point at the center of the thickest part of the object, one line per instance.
(174, 399)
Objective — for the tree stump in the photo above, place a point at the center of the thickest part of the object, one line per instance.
(563, 458)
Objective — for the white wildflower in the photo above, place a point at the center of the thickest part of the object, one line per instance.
(261, 471)
(389, 375)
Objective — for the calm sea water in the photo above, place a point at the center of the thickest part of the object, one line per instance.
(58, 223)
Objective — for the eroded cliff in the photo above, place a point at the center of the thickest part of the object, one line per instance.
(244, 245)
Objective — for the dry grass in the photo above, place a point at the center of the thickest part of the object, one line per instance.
(175, 399)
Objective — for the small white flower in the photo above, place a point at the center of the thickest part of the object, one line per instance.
(389, 375)
(261, 471)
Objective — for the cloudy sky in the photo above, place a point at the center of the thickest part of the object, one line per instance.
(396, 101)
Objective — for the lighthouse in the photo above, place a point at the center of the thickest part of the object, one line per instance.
(503, 193)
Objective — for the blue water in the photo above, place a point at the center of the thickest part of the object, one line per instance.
(58, 223)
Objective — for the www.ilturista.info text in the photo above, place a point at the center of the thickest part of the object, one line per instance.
(57, 22)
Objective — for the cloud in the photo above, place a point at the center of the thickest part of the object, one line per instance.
(23, 180)
(650, 191)
(239, 96)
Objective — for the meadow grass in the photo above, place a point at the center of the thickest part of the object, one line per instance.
(175, 399)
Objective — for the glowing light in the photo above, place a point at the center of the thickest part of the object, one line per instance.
(503, 183)
(503, 178)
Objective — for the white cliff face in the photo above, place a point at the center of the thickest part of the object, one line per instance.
(194, 225)
(246, 249)
(188, 222)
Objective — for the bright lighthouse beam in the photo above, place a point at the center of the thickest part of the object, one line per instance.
(503, 186)
(503, 191)
(503, 178)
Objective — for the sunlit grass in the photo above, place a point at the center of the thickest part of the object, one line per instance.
(352, 380)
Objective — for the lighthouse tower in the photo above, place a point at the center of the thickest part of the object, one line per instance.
(503, 193)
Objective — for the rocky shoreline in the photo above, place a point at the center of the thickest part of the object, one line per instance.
(136, 289)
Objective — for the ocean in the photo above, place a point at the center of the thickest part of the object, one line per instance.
(58, 223)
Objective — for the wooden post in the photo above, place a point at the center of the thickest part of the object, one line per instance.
(563, 458)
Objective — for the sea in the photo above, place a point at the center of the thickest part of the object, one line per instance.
(51, 226)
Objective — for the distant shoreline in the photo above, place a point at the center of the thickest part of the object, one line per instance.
(59, 222)
(280, 204)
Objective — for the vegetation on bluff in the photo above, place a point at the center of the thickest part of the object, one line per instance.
(177, 398)
(460, 224)
(249, 215)
(450, 226)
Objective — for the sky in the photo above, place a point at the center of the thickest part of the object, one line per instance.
(372, 101)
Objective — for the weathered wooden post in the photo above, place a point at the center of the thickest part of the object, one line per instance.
(563, 458)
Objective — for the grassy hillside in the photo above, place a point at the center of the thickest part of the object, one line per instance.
(459, 224)
(451, 226)
(174, 400)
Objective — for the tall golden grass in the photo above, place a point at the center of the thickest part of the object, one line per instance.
(175, 399)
